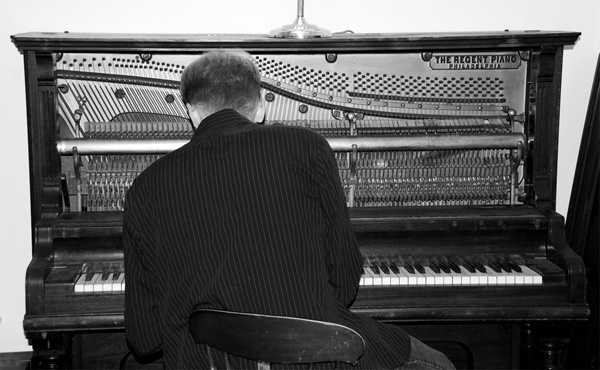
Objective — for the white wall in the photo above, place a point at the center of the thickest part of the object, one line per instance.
(256, 16)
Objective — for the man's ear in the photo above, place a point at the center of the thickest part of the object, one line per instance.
(259, 117)
(195, 114)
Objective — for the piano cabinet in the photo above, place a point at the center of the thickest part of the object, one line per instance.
(447, 150)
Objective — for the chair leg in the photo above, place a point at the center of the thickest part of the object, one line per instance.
(211, 362)
(227, 363)
(263, 365)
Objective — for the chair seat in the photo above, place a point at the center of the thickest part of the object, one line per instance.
(275, 339)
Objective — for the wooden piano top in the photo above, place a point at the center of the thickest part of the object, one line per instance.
(367, 42)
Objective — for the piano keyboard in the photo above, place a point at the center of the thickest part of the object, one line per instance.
(100, 282)
(449, 274)
(376, 274)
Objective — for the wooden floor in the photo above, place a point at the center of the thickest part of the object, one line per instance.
(14, 360)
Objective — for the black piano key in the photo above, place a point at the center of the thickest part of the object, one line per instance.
(514, 266)
(394, 268)
(375, 269)
(504, 266)
(494, 267)
(89, 276)
(435, 267)
(480, 267)
(384, 268)
(444, 267)
(454, 267)
(409, 267)
(419, 268)
(469, 267)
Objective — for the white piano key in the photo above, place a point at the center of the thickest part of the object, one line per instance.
(377, 279)
(367, 277)
(114, 285)
(402, 277)
(473, 278)
(457, 279)
(465, 278)
(430, 276)
(483, 278)
(531, 276)
(438, 277)
(97, 285)
(448, 279)
(492, 278)
(411, 278)
(500, 276)
(89, 285)
(519, 278)
(511, 277)
(387, 277)
(80, 283)
(527, 277)
(119, 284)
(394, 278)
(503, 278)
(421, 280)
(107, 284)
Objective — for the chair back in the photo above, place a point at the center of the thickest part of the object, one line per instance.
(275, 339)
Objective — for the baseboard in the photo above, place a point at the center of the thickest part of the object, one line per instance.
(14, 360)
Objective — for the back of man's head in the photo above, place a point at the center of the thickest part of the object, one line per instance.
(222, 79)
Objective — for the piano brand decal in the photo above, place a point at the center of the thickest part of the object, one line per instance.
(475, 61)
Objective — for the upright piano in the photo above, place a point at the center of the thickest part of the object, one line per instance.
(447, 149)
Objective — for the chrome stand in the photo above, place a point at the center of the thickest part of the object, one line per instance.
(300, 28)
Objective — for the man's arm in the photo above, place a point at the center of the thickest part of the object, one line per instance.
(142, 311)
(344, 258)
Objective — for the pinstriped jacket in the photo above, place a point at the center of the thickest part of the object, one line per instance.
(244, 217)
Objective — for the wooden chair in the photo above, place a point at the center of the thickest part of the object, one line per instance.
(274, 339)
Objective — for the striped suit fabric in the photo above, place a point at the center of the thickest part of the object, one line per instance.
(245, 217)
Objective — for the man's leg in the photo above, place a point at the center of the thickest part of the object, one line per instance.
(424, 357)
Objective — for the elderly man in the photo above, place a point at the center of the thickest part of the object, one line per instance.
(245, 217)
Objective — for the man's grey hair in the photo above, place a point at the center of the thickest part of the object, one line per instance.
(222, 79)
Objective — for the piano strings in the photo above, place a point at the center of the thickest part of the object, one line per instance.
(119, 97)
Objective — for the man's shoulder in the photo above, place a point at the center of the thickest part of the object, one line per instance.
(155, 169)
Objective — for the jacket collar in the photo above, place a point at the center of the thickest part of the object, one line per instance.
(227, 121)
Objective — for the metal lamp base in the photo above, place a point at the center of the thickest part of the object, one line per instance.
(300, 29)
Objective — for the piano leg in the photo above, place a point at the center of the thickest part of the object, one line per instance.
(543, 345)
(552, 353)
(527, 347)
(94, 350)
(51, 351)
